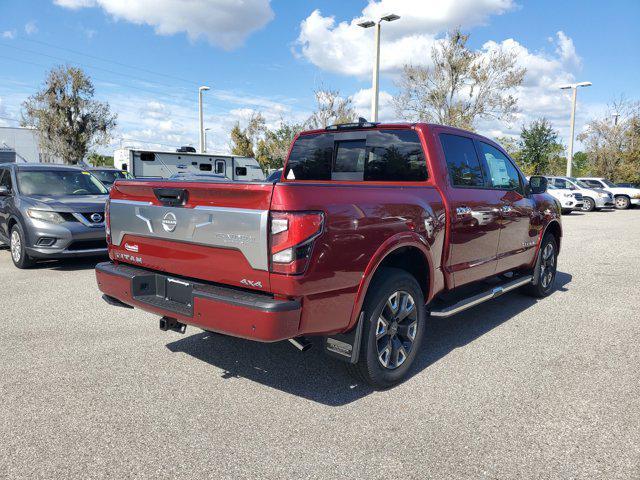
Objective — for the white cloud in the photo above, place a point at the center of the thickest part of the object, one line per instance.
(225, 23)
(539, 95)
(346, 48)
(362, 104)
(9, 34)
(31, 28)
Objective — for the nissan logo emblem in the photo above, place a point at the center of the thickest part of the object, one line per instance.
(169, 222)
(96, 217)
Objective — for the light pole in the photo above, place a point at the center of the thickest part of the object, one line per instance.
(205, 140)
(574, 87)
(200, 90)
(376, 67)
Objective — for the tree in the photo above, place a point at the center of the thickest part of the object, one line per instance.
(331, 109)
(67, 117)
(613, 142)
(538, 146)
(240, 142)
(98, 160)
(461, 87)
(279, 141)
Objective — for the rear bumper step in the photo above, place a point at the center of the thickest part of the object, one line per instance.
(212, 307)
(464, 304)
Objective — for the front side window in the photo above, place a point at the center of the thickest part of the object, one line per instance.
(108, 177)
(503, 175)
(560, 183)
(462, 161)
(59, 183)
(5, 178)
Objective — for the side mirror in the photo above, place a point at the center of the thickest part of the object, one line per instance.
(4, 191)
(537, 184)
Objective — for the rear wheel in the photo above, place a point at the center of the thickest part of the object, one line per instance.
(588, 204)
(393, 329)
(545, 269)
(18, 249)
(622, 202)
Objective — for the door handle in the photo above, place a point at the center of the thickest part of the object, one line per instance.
(463, 211)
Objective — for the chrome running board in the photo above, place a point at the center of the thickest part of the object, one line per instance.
(474, 300)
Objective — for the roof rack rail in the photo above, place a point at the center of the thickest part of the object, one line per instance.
(362, 123)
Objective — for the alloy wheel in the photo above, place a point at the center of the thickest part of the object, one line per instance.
(622, 202)
(587, 205)
(16, 246)
(396, 329)
(547, 266)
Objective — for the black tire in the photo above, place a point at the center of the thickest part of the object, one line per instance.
(588, 204)
(622, 202)
(545, 269)
(17, 245)
(380, 341)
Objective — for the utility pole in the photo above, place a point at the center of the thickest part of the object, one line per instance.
(375, 84)
(202, 145)
(574, 88)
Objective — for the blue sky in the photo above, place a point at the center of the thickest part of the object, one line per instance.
(147, 57)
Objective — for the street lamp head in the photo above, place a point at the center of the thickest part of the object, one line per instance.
(575, 85)
(203, 88)
(366, 24)
(390, 18)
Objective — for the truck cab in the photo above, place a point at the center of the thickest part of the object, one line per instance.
(370, 230)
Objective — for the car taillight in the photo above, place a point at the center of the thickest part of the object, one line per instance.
(107, 221)
(292, 236)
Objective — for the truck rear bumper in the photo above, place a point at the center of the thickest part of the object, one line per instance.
(231, 311)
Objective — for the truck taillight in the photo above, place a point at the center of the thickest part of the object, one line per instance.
(107, 221)
(292, 236)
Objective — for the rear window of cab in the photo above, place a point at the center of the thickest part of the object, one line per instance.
(376, 155)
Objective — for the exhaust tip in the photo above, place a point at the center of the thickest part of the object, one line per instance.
(301, 343)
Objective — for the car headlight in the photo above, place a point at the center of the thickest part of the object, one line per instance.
(603, 195)
(45, 216)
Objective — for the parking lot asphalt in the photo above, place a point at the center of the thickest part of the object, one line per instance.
(515, 388)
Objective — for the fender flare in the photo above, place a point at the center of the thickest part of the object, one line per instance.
(400, 240)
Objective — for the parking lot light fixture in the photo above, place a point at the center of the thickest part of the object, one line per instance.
(376, 66)
(574, 87)
(200, 90)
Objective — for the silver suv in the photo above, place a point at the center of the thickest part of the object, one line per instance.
(592, 198)
(51, 211)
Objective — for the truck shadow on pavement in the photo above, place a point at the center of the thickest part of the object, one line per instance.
(68, 264)
(315, 376)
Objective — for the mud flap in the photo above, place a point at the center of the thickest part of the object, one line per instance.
(346, 346)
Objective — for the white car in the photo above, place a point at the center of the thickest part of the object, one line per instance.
(624, 196)
(592, 198)
(569, 201)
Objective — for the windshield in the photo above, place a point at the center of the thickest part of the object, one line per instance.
(59, 183)
(608, 183)
(581, 184)
(108, 177)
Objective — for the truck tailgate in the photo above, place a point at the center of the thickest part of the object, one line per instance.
(210, 231)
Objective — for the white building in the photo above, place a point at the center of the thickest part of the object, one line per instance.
(18, 144)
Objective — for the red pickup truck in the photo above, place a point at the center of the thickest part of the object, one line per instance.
(371, 229)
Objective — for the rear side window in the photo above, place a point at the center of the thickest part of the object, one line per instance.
(381, 155)
(311, 158)
(462, 161)
(395, 155)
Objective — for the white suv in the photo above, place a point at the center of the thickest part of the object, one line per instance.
(624, 196)
(592, 198)
(569, 201)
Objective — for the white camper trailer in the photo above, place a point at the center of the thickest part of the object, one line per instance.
(147, 163)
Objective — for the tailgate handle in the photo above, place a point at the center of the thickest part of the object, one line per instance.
(171, 196)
